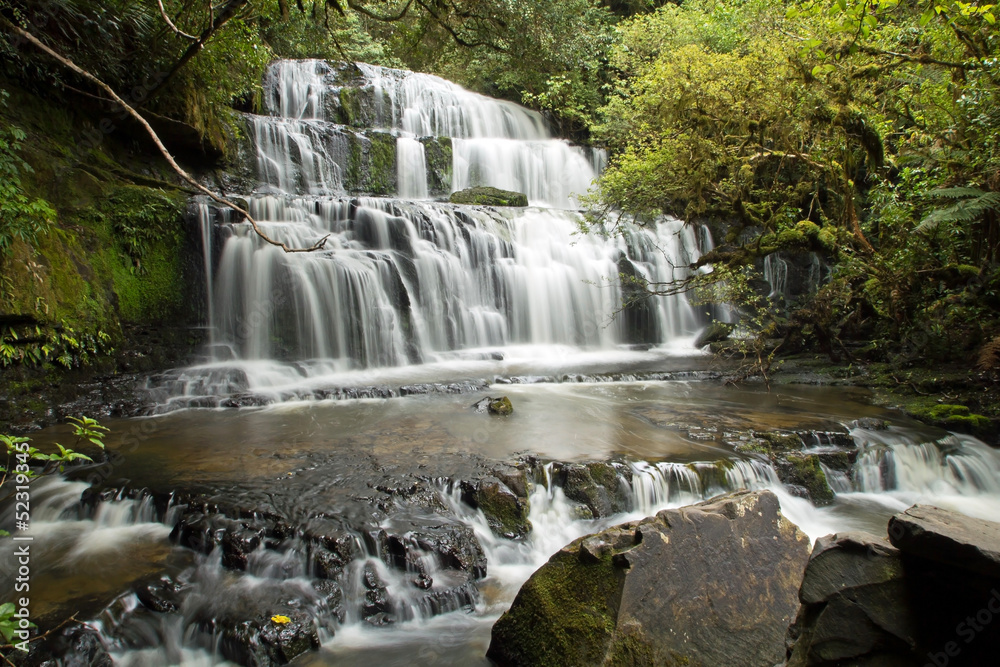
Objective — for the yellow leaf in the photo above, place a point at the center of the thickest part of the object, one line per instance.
(280, 620)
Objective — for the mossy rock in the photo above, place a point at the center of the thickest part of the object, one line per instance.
(716, 332)
(501, 406)
(488, 196)
(439, 156)
(949, 416)
(771, 443)
(804, 470)
(505, 512)
(596, 486)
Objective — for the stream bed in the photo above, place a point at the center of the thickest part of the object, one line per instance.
(377, 467)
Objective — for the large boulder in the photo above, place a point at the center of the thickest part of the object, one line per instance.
(948, 538)
(851, 595)
(710, 584)
(932, 596)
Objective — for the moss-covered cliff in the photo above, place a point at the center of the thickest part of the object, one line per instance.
(116, 258)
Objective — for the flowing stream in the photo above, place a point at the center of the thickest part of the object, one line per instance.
(334, 398)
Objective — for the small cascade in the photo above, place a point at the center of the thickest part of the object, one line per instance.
(295, 89)
(955, 465)
(776, 275)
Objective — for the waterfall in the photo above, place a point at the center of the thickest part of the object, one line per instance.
(404, 278)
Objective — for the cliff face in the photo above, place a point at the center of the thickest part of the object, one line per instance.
(80, 300)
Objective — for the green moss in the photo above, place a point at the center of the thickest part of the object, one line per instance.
(805, 471)
(488, 196)
(439, 156)
(506, 515)
(350, 108)
(565, 614)
(382, 169)
(501, 406)
(949, 416)
(630, 648)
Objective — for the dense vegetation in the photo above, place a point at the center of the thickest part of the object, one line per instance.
(859, 131)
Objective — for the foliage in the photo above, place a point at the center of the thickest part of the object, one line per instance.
(835, 127)
(20, 453)
(38, 344)
(22, 218)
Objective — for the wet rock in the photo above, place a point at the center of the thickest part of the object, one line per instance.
(949, 538)
(488, 196)
(595, 485)
(264, 642)
(501, 406)
(330, 600)
(238, 543)
(162, 595)
(870, 424)
(482, 406)
(716, 332)
(772, 443)
(454, 544)
(448, 600)
(422, 581)
(804, 471)
(377, 604)
(506, 513)
(73, 646)
(200, 532)
(710, 584)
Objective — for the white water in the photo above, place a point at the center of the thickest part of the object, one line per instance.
(410, 281)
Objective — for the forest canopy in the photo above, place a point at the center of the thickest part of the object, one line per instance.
(861, 132)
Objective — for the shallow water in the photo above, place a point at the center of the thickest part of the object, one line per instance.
(304, 458)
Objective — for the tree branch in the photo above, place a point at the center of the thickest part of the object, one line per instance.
(923, 60)
(152, 134)
(163, 13)
(228, 12)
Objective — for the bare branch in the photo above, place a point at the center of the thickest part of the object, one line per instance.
(163, 13)
(152, 134)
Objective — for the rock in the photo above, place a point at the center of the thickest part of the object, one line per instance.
(263, 642)
(803, 470)
(455, 546)
(377, 604)
(595, 485)
(710, 584)
(501, 406)
(161, 595)
(488, 196)
(716, 332)
(506, 513)
(948, 538)
(870, 424)
(482, 406)
(73, 646)
(864, 602)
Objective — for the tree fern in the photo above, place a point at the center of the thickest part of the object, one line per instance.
(971, 205)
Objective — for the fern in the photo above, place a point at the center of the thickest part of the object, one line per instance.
(971, 205)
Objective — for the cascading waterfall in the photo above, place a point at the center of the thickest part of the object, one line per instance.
(411, 280)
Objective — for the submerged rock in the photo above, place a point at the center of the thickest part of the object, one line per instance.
(488, 196)
(710, 584)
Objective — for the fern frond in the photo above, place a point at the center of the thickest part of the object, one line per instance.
(974, 205)
(957, 193)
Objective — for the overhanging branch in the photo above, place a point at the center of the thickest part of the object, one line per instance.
(65, 62)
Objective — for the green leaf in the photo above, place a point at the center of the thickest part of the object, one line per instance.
(7, 609)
